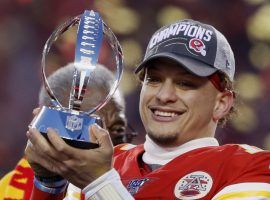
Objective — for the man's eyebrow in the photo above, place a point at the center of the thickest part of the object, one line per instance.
(185, 73)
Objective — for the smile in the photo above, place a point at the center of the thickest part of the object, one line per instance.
(165, 114)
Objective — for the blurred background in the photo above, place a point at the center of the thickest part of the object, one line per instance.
(25, 25)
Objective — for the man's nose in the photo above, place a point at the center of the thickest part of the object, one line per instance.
(167, 92)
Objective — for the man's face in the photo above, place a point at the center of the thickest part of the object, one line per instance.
(176, 106)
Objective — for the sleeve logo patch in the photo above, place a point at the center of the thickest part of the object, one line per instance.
(134, 185)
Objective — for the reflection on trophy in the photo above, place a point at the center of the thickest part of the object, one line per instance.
(71, 123)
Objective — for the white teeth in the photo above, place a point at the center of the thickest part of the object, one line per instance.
(165, 114)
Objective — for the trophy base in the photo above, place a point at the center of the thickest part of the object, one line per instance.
(77, 143)
(73, 128)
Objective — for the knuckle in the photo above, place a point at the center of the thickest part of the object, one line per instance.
(53, 168)
(63, 169)
(104, 134)
(81, 164)
(108, 152)
(60, 148)
(46, 151)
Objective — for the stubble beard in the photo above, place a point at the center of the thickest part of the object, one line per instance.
(163, 140)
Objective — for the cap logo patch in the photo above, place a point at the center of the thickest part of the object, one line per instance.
(198, 46)
(193, 186)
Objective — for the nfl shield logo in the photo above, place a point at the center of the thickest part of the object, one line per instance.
(74, 123)
(134, 185)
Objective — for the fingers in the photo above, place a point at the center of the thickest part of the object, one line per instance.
(52, 165)
(102, 136)
(39, 162)
(41, 171)
(36, 111)
(59, 144)
(79, 166)
(42, 146)
(37, 140)
(93, 138)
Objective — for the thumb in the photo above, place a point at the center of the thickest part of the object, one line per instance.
(92, 136)
(101, 136)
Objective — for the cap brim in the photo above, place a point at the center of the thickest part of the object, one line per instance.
(194, 66)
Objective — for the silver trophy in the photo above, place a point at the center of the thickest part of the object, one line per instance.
(71, 123)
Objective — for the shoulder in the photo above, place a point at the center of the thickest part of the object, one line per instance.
(126, 158)
(231, 153)
(247, 172)
(234, 160)
(125, 153)
(239, 150)
(121, 148)
(243, 155)
(243, 150)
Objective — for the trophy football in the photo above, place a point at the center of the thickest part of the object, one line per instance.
(71, 123)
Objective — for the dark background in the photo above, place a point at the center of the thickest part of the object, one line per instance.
(25, 26)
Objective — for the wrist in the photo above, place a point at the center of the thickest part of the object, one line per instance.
(107, 185)
(54, 181)
(49, 186)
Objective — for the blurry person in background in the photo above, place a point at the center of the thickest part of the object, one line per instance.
(18, 183)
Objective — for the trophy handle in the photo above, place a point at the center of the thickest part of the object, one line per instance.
(53, 37)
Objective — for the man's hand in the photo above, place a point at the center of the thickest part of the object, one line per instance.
(39, 171)
(78, 166)
(33, 159)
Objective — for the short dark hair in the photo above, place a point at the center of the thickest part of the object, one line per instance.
(229, 86)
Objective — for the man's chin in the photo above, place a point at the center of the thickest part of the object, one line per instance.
(163, 140)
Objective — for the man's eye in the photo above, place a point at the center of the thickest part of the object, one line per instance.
(152, 79)
(185, 84)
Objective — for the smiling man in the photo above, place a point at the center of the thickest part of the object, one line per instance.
(171, 103)
(187, 91)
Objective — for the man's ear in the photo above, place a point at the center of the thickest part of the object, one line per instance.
(223, 104)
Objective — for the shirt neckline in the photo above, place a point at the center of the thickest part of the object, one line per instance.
(157, 155)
